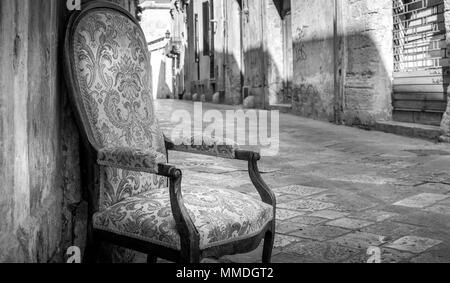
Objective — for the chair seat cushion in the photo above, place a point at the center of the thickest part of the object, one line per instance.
(220, 216)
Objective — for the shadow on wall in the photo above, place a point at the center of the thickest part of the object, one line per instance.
(163, 89)
(367, 91)
(257, 77)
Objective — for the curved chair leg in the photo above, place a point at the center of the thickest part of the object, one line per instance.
(268, 246)
(152, 259)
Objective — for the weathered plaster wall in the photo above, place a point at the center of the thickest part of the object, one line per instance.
(36, 193)
(313, 83)
(274, 54)
(233, 53)
(368, 83)
(255, 66)
(368, 60)
(41, 199)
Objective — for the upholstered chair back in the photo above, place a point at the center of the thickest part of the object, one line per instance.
(111, 88)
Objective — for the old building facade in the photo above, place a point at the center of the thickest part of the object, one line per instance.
(348, 62)
(164, 25)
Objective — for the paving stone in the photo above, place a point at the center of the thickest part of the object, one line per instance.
(298, 190)
(286, 198)
(330, 214)
(431, 221)
(349, 223)
(307, 220)
(283, 214)
(360, 240)
(374, 215)
(320, 252)
(438, 254)
(282, 241)
(394, 256)
(387, 256)
(431, 258)
(287, 227)
(421, 200)
(439, 209)
(252, 257)
(297, 223)
(287, 258)
(414, 244)
(306, 205)
(320, 233)
(345, 202)
(391, 230)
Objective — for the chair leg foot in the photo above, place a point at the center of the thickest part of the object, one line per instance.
(152, 259)
(268, 247)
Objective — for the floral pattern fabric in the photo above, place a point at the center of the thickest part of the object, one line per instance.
(220, 216)
(113, 74)
(131, 159)
(207, 146)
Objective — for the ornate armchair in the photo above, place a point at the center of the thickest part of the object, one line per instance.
(136, 198)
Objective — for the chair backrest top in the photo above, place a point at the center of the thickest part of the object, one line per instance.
(109, 76)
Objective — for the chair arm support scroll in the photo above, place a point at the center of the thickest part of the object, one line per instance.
(263, 189)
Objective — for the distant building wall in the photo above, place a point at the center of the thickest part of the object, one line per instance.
(156, 22)
(369, 60)
(330, 60)
(313, 83)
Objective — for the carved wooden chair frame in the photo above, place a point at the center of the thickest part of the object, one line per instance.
(190, 251)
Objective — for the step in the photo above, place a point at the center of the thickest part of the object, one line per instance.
(409, 130)
(418, 117)
(283, 108)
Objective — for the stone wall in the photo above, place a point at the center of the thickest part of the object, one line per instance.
(253, 34)
(274, 54)
(368, 84)
(367, 60)
(313, 83)
(41, 199)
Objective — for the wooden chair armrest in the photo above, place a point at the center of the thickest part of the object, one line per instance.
(263, 189)
(206, 146)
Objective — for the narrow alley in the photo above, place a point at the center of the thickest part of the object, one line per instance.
(340, 190)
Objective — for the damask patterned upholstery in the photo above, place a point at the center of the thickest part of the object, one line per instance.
(221, 216)
(114, 80)
(207, 146)
(131, 159)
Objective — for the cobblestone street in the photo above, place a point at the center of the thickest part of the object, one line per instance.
(340, 190)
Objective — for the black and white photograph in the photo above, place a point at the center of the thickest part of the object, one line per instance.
(224, 133)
